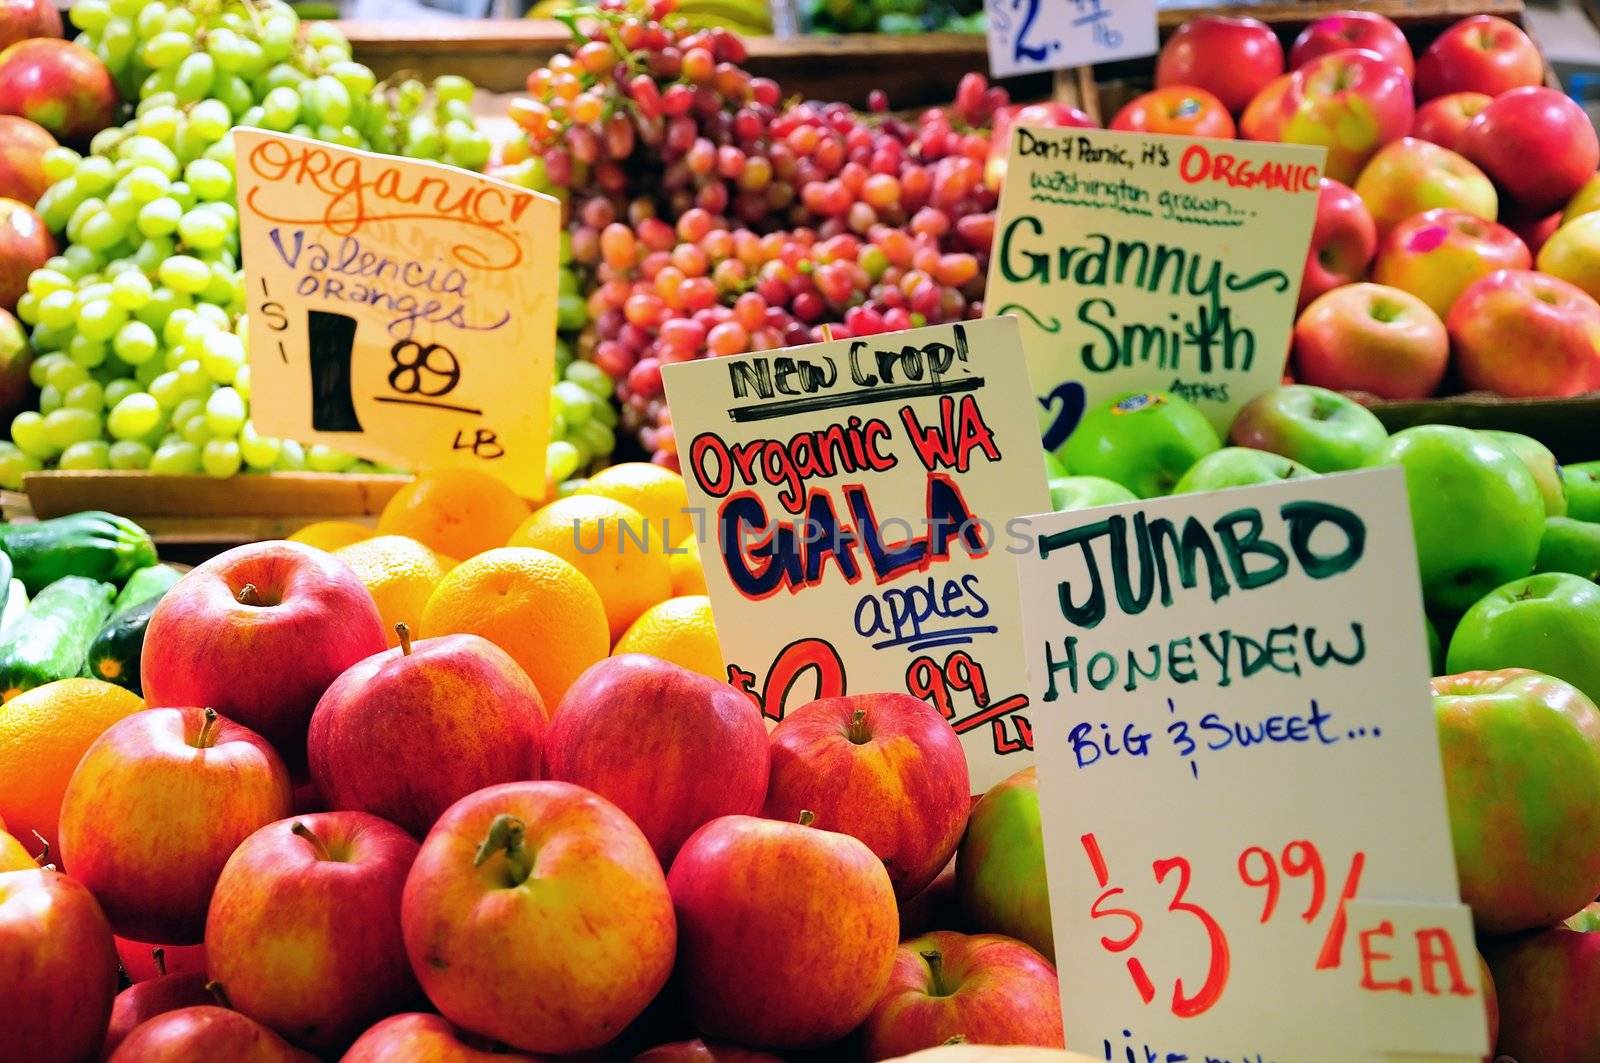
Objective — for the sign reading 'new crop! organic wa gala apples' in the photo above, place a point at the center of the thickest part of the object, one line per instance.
(856, 505)
(402, 311)
(1139, 262)
(1243, 807)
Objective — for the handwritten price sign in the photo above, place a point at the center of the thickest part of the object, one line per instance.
(1245, 832)
(1029, 35)
(403, 311)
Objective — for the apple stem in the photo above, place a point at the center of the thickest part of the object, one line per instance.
(958, 1039)
(506, 834)
(300, 830)
(44, 854)
(248, 595)
(158, 957)
(207, 729)
(404, 632)
(858, 732)
(807, 817)
(935, 961)
(219, 994)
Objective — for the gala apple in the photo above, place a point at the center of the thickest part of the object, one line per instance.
(1524, 334)
(1368, 337)
(1344, 240)
(1444, 120)
(1483, 53)
(1233, 58)
(1352, 29)
(1538, 147)
(1436, 255)
(1410, 176)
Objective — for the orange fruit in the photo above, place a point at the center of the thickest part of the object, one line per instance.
(532, 604)
(43, 734)
(458, 512)
(399, 573)
(688, 577)
(679, 630)
(654, 491)
(330, 535)
(603, 538)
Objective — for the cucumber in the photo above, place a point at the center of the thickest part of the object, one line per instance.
(100, 546)
(52, 639)
(149, 582)
(114, 654)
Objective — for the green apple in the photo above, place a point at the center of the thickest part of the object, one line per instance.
(1546, 470)
(1476, 512)
(1054, 467)
(1000, 864)
(1549, 622)
(1582, 482)
(1085, 492)
(1239, 467)
(1145, 441)
(1569, 546)
(1321, 429)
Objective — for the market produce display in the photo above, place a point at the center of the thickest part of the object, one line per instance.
(892, 16)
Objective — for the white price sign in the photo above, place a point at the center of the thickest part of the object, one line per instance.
(1029, 35)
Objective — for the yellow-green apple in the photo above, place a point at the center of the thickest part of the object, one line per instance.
(1549, 622)
(1521, 333)
(1049, 114)
(1372, 338)
(1585, 201)
(1344, 239)
(303, 932)
(146, 999)
(258, 633)
(1238, 467)
(14, 856)
(25, 245)
(672, 748)
(814, 905)
(1476, 512)
(1409, 176)
(1484, 53)
(1436, 255)
(1542, 464)
(409, 731)
(138, 959)
(1521, 756)
(1085, 492)
(982, 988)
(16, 355)
(22, 147)
(1540, 979)
(21, 19)
(205, 1031)
(1352, 29)
(1000, 865)
(1321, 429)
(536, 914)
(1351, 102)
(1569, 546)
(155, 808)
(60, 85)
(1572, 253)
(1144, 441)
(698, 1051)
(1444, 119)
(58, 971)
(419, 1037)
(1180, 110)
(1537, 145)
(1582, 481)
(885, 768)
(1230, 57)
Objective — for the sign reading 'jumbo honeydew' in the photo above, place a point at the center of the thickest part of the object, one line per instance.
(1030, 35)
(403, 311)
(1138, 262)
(1243, 807)
(856, 504)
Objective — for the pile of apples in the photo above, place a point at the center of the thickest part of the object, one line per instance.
(1456, 246)
(391, 852)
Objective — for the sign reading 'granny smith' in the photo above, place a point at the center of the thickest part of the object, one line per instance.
(1139, 262)
(1243, 808)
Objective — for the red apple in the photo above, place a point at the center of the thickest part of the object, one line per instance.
(815, 906)
(139, 961)
(1409, 176)
(1484, 54)
(983, 988)
(1231, 58)
(1367, 337)
(145, 1000)
(205, 1032)
(697, 1051)
(1534, 232)
(1050, 115)
(258, 633)
(672, 748)
(21, 19)
(1444, 120)
(884, 768)
(1352, 102)
(1178, 109)
(303, 932)
(22, 147)
(60, 85)
(1543, 981)
(1343, 241)
(1437, 254)
(419, 1037)
(1523, 334)
(537, 914)
(25, 245)
(408, 732)
(58, 971)
(155, 808)
(1537, 145)
(1352, 29)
